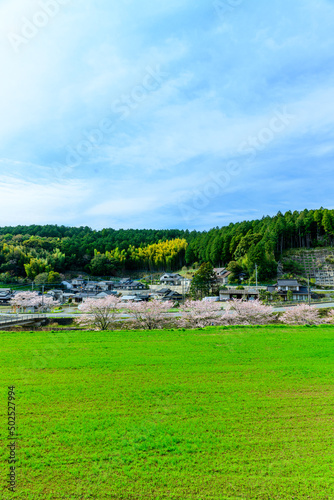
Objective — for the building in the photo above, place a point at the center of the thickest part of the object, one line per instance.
(222, 275)
(56, 295)
(171, 279)
(282, 287)
(135, 298)
(210, 299)
(78, 283)
(233, 293)
(167, 294)
(5, 295)
(107, 285)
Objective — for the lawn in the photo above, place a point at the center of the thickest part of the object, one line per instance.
(223, 413)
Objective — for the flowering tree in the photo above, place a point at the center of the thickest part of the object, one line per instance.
(25, 300)
(99, 314)
(253, 312)
(198, 314)
(330, 317)
(150, 315)
(47, 303)
(301, 315)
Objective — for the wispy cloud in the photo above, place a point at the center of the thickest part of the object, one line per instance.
(225, 77)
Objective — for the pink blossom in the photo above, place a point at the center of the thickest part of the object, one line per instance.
(99, 314)
(24, 300)
(199, 314)
(301, 315)
(330, 317)
(253, 312)
(150, 315)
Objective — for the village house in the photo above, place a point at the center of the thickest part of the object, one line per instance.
(78, 283)
(92, 286)
(282, 287)
(167, 294)
(5, 295)
(171, 279)
(67, 284)
(222, 275)
(56, 295)
(136, 285)
(136, 298)
(107, 285)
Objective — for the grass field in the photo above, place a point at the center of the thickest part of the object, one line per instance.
(238, 413)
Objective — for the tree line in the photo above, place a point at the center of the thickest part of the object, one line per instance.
(29, 251)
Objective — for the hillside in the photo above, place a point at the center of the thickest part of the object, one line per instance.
(28, 251)
(317, 263)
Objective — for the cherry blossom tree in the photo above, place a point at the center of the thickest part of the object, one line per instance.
(47, 303)
(150, 315)
(198, 314)
(239, 312)
(100, 314)
(302, 314)
(24, 300)
(330, 317)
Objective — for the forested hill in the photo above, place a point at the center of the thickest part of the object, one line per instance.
(32, 250)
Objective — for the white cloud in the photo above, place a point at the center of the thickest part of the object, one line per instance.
(225, 80)
(32, 202)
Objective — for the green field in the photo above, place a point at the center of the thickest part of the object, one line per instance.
(234, 413)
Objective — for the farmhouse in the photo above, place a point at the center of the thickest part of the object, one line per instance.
(222, 275)
(171, 279)
(283, 287)
(5, 295)
(167, 294)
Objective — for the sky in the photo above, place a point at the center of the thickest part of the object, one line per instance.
(178, 114)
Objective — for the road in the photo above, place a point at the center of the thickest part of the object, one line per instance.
(70, 314)
(322, 305)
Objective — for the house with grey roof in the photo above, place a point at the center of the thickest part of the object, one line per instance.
(171, 279)
(283, 286)
(222, 275)
(5, 295)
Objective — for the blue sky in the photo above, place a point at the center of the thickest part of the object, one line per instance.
(172, 115)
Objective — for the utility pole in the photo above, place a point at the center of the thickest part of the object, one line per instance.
(42, 298)
(256, 275)
(308, 288)
(32, 286)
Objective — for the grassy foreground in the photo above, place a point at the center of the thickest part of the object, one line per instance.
(237, 413)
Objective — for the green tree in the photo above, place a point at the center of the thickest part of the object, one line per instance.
(235, 269)
(35, 267)
(203, 281)
(54, 277)
(41, 278)
(100, 265)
